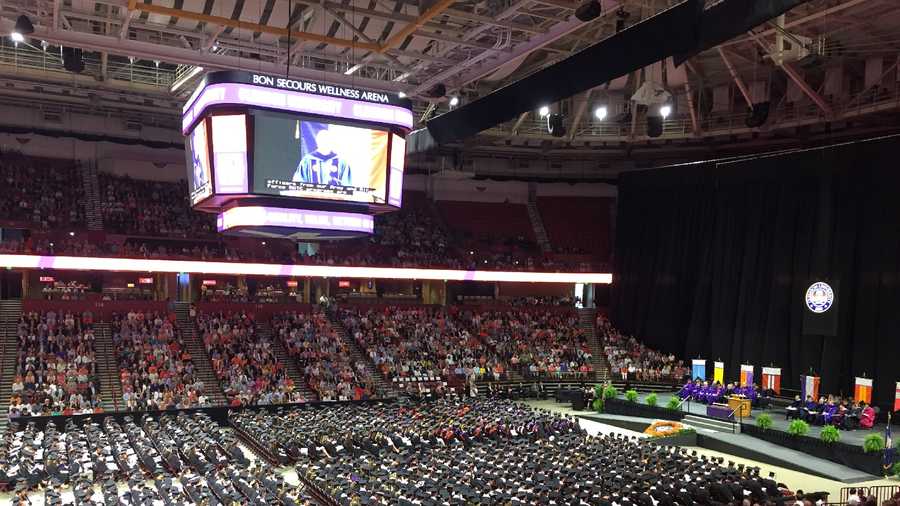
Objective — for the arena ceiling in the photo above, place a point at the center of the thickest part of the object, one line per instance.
(815, 66)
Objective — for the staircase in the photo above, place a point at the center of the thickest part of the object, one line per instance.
(383, 387)
(107, 368)
(587, 321)
(92, 211)
(540, 233)
(202, 365)
(712, 424)
(264, 331)
(10, 312)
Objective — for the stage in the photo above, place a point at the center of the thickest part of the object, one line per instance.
(844, 461)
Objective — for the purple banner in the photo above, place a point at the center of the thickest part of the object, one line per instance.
(294, 101)
(258, 216)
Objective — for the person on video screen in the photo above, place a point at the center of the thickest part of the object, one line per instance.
(199, 172)
(323, 165)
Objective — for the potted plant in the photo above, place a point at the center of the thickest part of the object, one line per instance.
(764, 421)
(610, 392)
(631, 396)
(673, 404)
(798, 428)
(651, 400)
(873, 443)
(830, 434)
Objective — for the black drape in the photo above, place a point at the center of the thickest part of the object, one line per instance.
(713, 260)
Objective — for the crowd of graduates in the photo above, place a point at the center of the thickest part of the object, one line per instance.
(490, 451)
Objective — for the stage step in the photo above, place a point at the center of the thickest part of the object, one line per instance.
(712, 424)
(107, 368)
(10, 313)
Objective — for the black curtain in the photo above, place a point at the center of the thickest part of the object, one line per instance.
(713, 260)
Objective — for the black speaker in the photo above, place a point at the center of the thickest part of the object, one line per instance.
(72, 60)
(555, 125)
(654, 126)
(588, 10)
(436, 91)
(758, 115)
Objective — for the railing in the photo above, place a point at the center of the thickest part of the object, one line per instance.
(881, 493)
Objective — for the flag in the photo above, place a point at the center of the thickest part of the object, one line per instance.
(888, 457)
(897, 397)
(809, 386)
(771, 379)
(698, 369)
(746, 375)
(862, 391)
(719, 372)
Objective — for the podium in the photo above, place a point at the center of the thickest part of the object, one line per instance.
(740, 406)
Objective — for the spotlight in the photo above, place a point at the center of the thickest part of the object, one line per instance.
(600, 113)
(454, 101)
(665, 111)
(555, 125)
(544, 111)
(215, 47)
(588, 10)
(23, 27)
(401, 94)
(71, 234)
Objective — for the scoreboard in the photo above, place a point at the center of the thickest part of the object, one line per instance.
(279, 157)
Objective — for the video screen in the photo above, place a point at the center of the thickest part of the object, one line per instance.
(199, 179)
(398, 160)
(229, 135)
(296, 157)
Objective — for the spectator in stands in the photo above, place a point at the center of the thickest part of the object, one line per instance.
(244, 361)
(631, 359)
(140, 207)
(156, 370)
(323, 357)
(55, 365)
(45, 193)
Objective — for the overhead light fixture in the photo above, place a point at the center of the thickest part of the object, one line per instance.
(665, 111)
(454, 101)
(215, 47)
(23, 27)
(600, 113)
(544, 111)
(401, 94)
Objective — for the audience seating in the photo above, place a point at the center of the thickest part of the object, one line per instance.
(156, 370)
(577, 224)
(245, 362)
(630, 359)
(55, 365)
(323, 357)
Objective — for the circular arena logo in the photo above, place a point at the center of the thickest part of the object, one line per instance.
(819, 297)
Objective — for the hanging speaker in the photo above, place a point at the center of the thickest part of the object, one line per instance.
(654, 126)
(758, 115)
(72, 60)
(555, 125)
(588, 10)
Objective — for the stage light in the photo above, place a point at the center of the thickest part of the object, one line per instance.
(23, 27)
(215, 47)
(71, 234)
(665, 111)
(401, 94)
(72, 60)
(454, 101)
(600, 113)
(544, 111)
